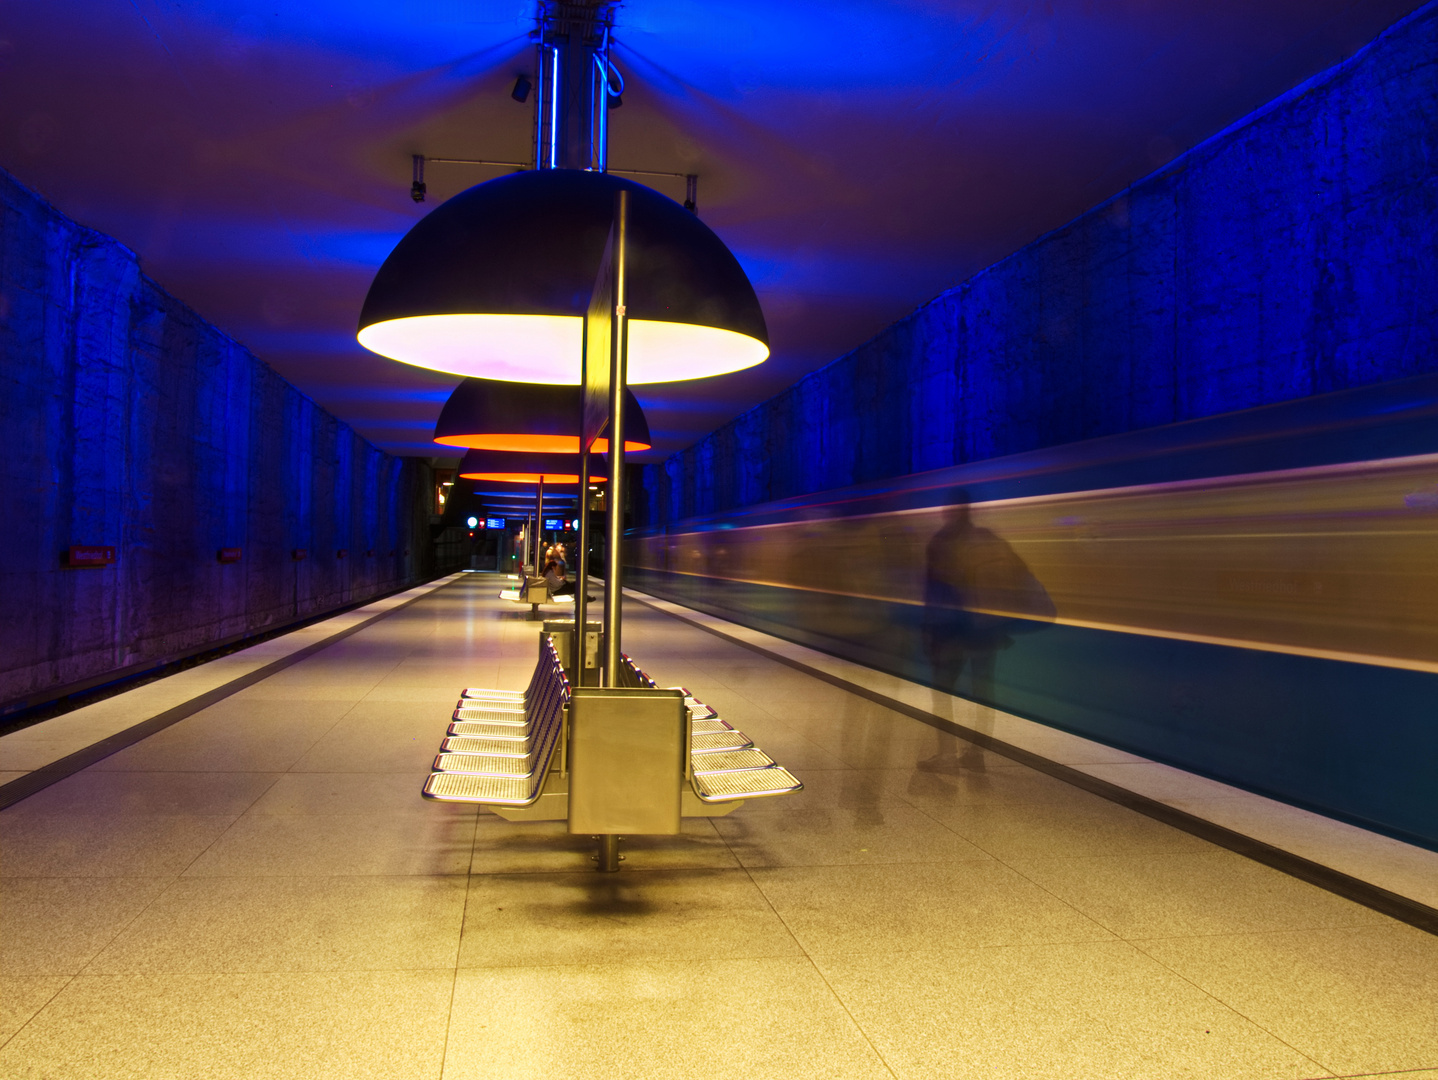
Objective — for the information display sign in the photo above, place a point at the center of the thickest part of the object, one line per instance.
(598, 342)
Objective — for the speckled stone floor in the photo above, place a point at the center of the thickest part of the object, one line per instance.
(259, 891)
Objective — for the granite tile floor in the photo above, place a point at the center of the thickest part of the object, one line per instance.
(259, 891)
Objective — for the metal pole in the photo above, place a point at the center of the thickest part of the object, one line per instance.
(618, 374)
(581, 568)
(539, 526)
(608, 855)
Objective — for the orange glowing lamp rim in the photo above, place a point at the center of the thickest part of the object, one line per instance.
(529, 478)
(532, 444)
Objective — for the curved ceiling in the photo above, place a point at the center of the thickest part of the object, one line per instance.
(859, 158)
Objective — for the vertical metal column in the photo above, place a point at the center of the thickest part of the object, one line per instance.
(539, 526)
(608, 855)
(581, 568)
(618, 375)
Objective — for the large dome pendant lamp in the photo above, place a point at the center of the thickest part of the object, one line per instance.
(487, 414)
(494, 283)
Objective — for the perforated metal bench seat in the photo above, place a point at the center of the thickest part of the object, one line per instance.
(708, 727)
(730, 761)
(500, 755)
(725, 766)
(505, 714)
(711, 742)
(478, 788)
(745, 784)
(484, 765)
(499, 732)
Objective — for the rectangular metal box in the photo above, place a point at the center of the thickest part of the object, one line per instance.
(627, 749)
(562, 630)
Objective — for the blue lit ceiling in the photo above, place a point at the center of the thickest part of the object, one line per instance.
(859, 156)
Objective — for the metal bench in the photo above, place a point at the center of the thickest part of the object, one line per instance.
(724, 764)
(501, 755)
(534, 591)
(626, 762)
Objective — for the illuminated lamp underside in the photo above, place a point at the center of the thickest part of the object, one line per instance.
(529, 478)
(517, 468)
(519, 420)
(533, 444)
(547, 348)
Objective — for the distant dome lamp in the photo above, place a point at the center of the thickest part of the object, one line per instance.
(511, 467)
(488, 414)
(494, 284)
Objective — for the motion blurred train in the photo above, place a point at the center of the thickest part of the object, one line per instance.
(1253, 596)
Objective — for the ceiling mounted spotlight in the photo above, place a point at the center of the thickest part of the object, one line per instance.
(487, 414)
(522, 87)
(519, 468)
(495, 282)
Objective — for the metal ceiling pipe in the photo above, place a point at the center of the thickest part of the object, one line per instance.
(572, 58)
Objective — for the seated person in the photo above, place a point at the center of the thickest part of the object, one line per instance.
(555, 579)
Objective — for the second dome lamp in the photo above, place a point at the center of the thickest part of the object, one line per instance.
(487, 414)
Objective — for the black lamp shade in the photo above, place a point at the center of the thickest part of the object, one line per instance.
(495, 283)
(513, 467)
(489, 414)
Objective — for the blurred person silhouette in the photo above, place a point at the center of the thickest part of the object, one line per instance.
(977, 592)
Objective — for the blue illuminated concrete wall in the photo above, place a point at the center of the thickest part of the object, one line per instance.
(130, 422)
(1290, 255)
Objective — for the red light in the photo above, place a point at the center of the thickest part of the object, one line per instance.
(542, 444)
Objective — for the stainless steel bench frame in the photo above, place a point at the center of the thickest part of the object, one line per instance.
(509, 750)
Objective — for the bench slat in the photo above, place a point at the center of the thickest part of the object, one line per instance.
(729, 761)
(710, 727)
(499, 715)
(509, 748)
(730, 740)
(483, 765)
(515, 732)
(748, 784)
(462, 787)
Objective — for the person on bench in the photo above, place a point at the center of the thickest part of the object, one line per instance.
(554, 577)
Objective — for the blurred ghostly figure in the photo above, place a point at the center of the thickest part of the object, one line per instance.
(974, 583)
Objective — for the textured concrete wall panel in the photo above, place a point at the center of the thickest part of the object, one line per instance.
(1291, 255)
(128, 421)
